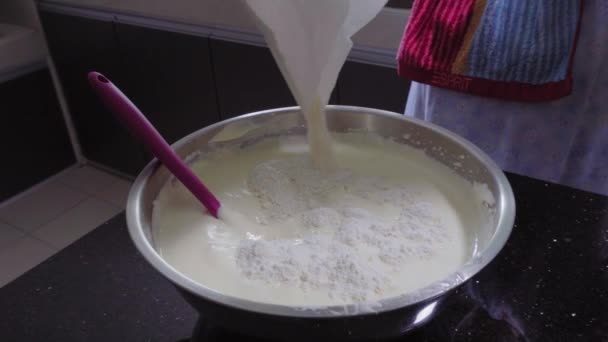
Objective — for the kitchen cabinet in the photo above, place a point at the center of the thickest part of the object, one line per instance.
(34, 143)
(169, 76)
(80, 45)
(182, 82)
(373, 86)
(247, 79)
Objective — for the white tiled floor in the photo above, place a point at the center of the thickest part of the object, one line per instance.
(40, 206)
(75, 223)
(43, 220)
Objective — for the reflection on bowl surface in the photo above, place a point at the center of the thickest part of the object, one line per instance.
(391, 315)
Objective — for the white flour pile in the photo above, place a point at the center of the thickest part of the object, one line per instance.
(387, 220)
(348, 251)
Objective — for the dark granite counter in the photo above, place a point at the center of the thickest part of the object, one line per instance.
(550, 283)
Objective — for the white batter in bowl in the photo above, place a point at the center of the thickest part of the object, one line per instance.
(385, 221)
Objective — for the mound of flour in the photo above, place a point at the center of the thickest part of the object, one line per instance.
(347, 251)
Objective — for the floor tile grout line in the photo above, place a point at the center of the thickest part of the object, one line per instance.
(49, 244)
(23, 236)
(9, 224)
(98, 194)
(74, 187)
(36, 186)
(51, 219)
(23, 271)
(28, 236)
(24, 233)
(46, 243)
(111, 171)
(57, 179)
(55, 249)
(112, 204)
(65, 211)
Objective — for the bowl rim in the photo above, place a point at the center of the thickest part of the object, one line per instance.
(485, 256)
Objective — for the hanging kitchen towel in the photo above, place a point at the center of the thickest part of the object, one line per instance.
(512, 49)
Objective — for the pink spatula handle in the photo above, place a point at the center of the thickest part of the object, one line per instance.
(130, 116)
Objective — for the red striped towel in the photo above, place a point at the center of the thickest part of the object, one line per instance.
(512, 49)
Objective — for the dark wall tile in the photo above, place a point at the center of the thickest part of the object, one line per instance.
(400, 3)
(34, 143)
(73, 38)
(169, 76)
(247, 79)
(182, 82)
(373, 86)
(80, 45)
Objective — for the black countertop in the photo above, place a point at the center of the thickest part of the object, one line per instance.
(549, 283)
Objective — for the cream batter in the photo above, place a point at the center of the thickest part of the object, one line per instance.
(384, 221)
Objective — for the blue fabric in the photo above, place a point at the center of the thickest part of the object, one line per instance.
(524, 41)
(563, 141)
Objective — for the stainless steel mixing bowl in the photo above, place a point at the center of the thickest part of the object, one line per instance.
(396, 315)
